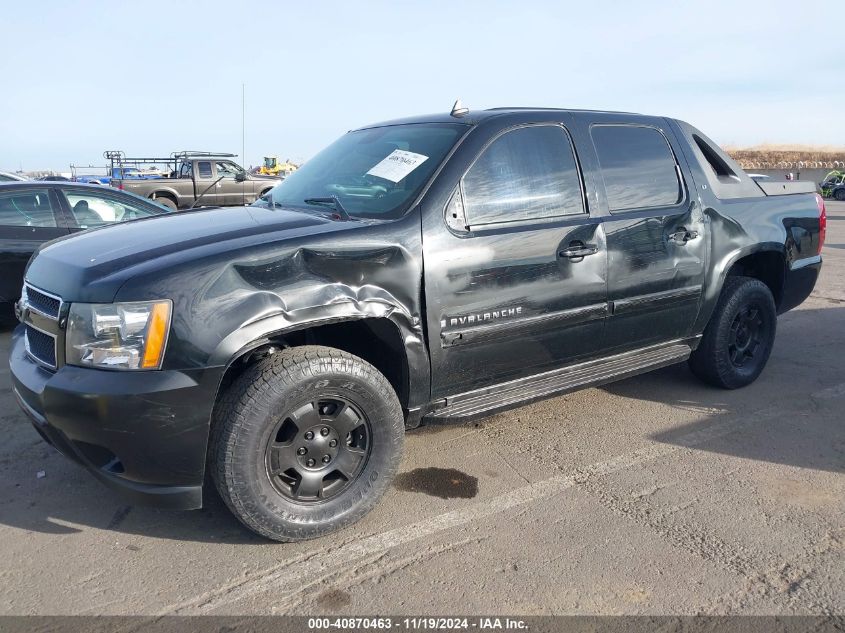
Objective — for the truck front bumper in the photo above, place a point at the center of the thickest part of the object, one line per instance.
(142, 433)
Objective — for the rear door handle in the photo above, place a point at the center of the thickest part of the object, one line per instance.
(579, 249)
(683, 236)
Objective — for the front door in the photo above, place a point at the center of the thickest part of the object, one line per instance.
(234, 192)
(515, 266)
(655, 232)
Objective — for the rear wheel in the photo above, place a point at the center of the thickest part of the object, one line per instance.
(306, 442)
(166, 202)
(738, 340)
(840, 195)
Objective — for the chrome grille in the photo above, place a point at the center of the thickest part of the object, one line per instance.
(40, 345)
(43, 302)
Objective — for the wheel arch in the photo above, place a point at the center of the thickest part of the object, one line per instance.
(164, 193)
(766, 265)
(750, 259)
(380, 340)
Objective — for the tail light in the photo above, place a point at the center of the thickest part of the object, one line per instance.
(822, 222)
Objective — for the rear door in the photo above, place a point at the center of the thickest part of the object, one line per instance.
(515, 264)
(207, 188)
(29, 216)
(655, 230)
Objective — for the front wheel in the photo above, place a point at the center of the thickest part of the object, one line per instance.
(738, 340)
(305, 442)
(840, 195)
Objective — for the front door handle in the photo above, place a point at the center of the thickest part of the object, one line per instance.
(577, 250)
(682, 235)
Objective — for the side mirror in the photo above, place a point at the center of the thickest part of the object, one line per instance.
(240, 176)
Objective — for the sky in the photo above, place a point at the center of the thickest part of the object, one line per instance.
(152, 77)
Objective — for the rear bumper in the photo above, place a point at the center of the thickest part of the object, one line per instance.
(799, 282)
(141, 433)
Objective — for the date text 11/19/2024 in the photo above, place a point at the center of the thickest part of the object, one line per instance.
(417, 623)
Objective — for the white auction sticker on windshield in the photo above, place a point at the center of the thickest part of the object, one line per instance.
(397, 165)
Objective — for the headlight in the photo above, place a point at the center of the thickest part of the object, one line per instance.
(118, 335)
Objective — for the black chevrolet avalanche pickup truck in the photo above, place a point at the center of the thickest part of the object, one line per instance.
(439, 268)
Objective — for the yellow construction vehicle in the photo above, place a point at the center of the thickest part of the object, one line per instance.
(272, 167)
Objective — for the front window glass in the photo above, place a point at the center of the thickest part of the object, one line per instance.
(375, 173)
(226, 169)
(93, 210)
(27, 207)
(525, 174)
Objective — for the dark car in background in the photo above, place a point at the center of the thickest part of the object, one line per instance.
(34, 212)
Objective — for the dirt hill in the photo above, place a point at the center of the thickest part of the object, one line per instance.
(788, 156)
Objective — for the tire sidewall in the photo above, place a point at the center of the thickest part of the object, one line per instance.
(250, 486)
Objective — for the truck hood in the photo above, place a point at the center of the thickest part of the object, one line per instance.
(92, 266)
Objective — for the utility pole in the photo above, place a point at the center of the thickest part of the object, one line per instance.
(243, 140)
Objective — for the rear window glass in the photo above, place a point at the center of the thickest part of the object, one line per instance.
(527, 173)
(637, 166)
(204, 169)
(29, 207)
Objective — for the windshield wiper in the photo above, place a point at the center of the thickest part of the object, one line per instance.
(342, 213)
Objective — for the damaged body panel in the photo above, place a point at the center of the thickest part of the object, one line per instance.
(476, 263)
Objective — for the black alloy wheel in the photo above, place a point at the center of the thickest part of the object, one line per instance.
(318, 450)
(748, 331)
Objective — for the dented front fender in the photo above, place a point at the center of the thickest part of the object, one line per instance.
(234, 300)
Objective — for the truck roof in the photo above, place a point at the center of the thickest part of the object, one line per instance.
(473, 117)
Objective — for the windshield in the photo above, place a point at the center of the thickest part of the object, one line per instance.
(375, 173)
